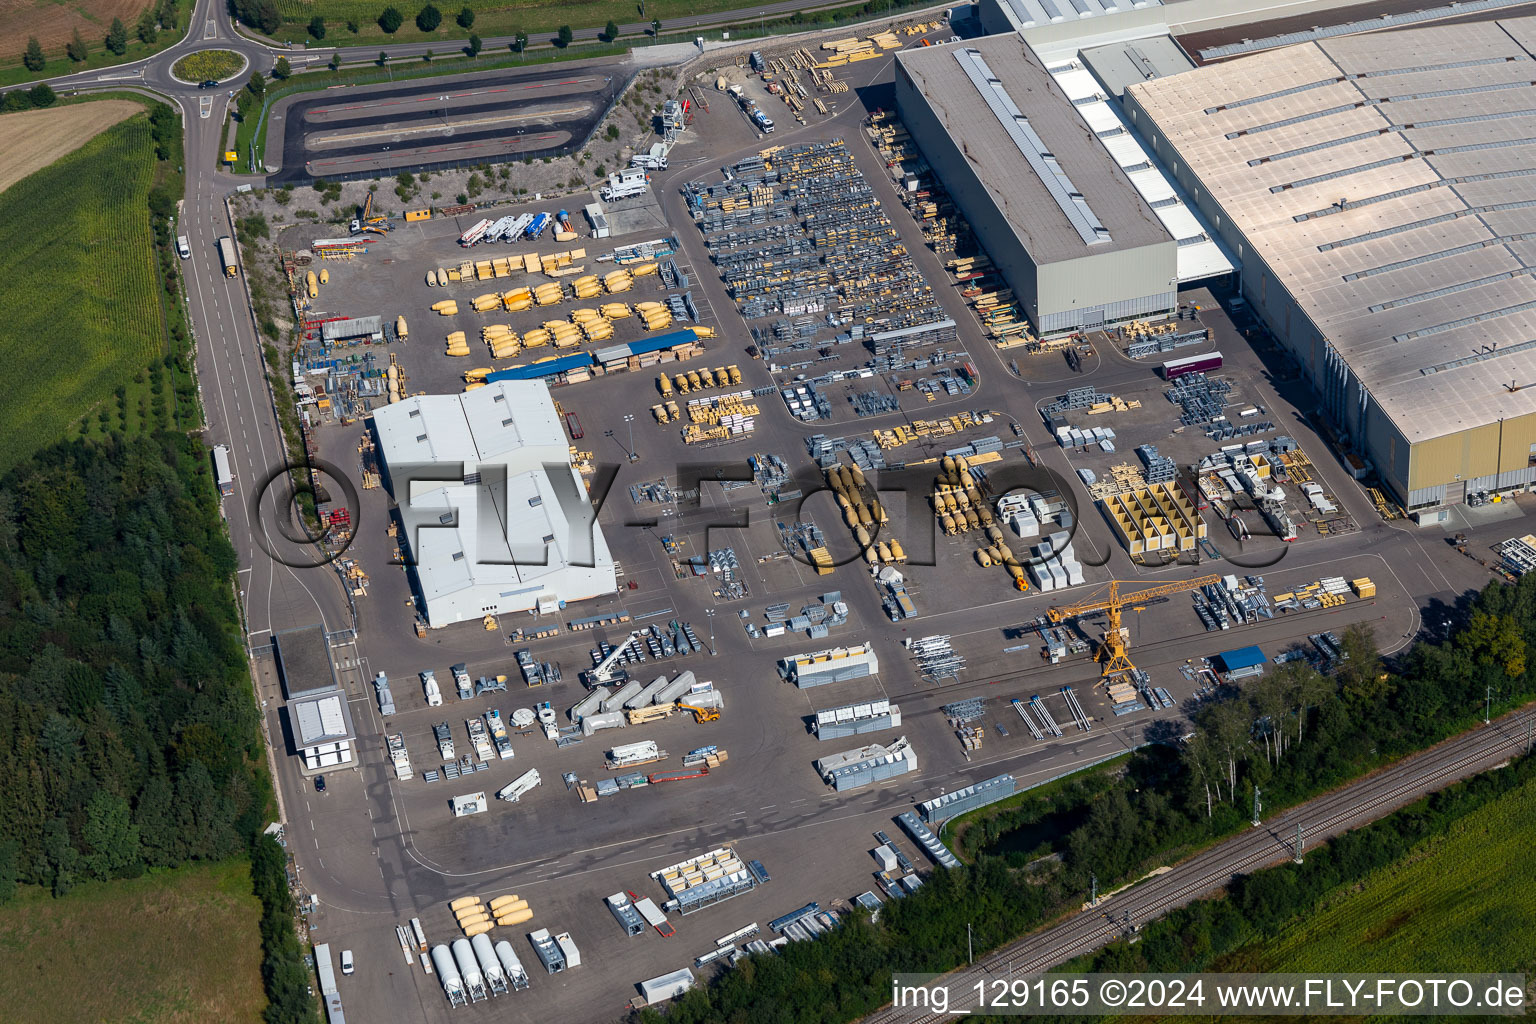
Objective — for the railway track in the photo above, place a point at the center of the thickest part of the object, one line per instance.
(1329, 815)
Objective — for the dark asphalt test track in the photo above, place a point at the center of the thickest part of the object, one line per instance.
(514, 113)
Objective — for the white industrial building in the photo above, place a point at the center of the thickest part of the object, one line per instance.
(496, 519)
(322, 730)
(319, 721)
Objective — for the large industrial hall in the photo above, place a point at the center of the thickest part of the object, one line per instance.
(1376, 190)
(1064, 224)
(495, 517)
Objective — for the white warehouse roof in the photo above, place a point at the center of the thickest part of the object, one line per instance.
(322, 718)
(496, 517)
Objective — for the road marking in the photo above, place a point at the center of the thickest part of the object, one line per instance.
(204, 106)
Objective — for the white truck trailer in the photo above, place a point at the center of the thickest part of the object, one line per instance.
(461, 680)
(444, 737)
(499, 734)
(398, 755)
(480, 739)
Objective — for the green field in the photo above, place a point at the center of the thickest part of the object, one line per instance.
(173, 947)
(81, 292)
(1463, 902)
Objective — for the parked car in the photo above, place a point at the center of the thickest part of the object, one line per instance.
(319, 783)
(346, 961)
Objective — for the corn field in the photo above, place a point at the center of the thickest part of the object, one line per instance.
(78, 265)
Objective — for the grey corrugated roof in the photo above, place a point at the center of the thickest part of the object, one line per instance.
(1027, 204)
(1387, 179)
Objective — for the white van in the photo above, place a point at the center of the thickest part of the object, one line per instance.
(346, 961)
(183, 247)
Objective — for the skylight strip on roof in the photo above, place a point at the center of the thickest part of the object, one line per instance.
(1040, 159)
(1408, 300)
(1485, 354)
(1492, 314)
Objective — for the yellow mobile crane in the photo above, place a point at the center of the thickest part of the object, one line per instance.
(1111, 655)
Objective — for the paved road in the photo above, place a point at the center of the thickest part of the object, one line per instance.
(1273, 841)
(211, 26)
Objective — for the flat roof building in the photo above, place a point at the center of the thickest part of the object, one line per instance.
(304, 661)
(1058, 216)
(323, 730)
(496, 518)
(1376, 191)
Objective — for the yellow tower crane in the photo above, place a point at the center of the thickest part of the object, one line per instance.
(1111, 655)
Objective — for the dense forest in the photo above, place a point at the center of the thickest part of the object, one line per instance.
(1293, 733)
(128, 732)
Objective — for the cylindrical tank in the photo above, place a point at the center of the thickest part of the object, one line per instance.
(325, 276)
(948, 523)
(869, 555)
(984, 514)
(447, 971)
(983, 558)
(994, 534)
(878, 511)
(865, 519)
(952, 501)
(961, 464)
(971, 519)
(1004, 552)
(462, 902)
(400, 327)
(509, 961)
(948, 465)
(485, 954)
(464, 958)
(897, 552)
(843, 502)
(478, 928)
(503, 901)
(858, 476)
(961, 498)
(467, 918)
(884, 551)
(850, 517)
(861, 535)
(431, 279)
(847, 477)
(1017, 572)
(517, 916)
(311, 284)
(972, 494)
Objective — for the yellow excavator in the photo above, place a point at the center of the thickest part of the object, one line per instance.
(1114, 643)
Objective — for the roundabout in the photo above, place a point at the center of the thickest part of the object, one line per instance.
(211, 65)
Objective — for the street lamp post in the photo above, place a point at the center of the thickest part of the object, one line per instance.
(630, 421)
(709, 613)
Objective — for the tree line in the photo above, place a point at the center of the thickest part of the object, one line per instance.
(1294, 733)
